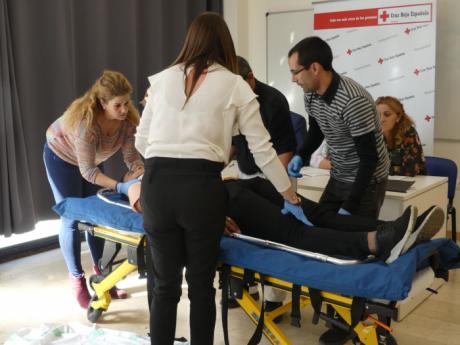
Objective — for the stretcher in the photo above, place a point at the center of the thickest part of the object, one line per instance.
(363, 295)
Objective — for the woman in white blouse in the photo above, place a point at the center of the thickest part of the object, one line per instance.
(193, 109)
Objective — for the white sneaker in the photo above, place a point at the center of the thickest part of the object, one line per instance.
(390, 240)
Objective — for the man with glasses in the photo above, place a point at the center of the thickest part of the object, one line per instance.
(342, 112)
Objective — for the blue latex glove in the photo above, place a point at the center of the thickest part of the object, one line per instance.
(344, 212)
(122, 187)
(294, 166)
(296, 211)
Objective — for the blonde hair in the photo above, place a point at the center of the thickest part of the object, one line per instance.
(109, 85)
(401, 126)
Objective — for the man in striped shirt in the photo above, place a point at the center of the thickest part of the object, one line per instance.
(342, 112)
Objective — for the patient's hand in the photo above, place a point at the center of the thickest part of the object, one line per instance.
(134, 193)
(231, 227)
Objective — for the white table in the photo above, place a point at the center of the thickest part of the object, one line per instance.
(426, 191)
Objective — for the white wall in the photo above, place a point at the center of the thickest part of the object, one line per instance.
(247, 22)
(249, 30)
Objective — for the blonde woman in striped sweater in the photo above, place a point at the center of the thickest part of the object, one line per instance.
(91, 130)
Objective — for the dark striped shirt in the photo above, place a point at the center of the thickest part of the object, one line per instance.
(344, 112)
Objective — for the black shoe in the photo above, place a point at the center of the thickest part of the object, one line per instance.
(422, 217)
(391, 238)
(334, 336)
(430, 224)
(426, 226)
(270, 306)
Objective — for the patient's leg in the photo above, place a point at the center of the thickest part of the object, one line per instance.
(324, 216)
(260, 218)
(320, 215)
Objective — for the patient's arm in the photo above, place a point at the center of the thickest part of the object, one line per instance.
(134, 193)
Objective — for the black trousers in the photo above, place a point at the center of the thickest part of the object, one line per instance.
(337, 192)
(256, 208)
(184, 203)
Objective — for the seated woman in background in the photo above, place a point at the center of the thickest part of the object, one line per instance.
(403, 143)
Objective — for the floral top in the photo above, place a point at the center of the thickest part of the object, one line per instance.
(407, 157)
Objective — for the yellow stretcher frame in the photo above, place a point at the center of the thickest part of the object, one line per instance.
(369, 332)
(366, 331)
(111, 275)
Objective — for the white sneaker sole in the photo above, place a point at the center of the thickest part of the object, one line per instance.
(429, 227)
(397, 249)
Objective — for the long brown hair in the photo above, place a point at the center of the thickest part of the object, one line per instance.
(404, 123)
(109, 85)
(208, 41)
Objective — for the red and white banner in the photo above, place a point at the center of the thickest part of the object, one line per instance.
(389, 47)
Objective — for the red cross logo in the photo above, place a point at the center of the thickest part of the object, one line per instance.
(380, 61)
(417, 72)
(349, 51)
(407, 31)
(384, 16)
(428, 118)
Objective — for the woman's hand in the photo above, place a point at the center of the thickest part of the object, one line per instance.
(123, 187)
(296, 211)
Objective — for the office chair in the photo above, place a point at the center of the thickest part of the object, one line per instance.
(437, 166)
(300, 128)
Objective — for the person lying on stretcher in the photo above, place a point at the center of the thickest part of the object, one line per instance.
(254, 209)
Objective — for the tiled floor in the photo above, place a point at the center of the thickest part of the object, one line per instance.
(35, 290)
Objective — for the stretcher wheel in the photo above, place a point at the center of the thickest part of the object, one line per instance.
(93, 314)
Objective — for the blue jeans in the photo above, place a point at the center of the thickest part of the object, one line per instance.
(66, 181)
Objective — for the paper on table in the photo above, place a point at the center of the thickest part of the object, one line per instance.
(310, 171)
(401, 178)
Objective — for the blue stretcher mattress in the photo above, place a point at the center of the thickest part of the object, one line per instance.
(370, 280)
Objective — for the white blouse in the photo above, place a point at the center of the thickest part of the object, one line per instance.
(223, 105)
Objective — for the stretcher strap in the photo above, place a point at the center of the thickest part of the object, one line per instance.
(257, 336)
(358, 311)
(316, 301)
(436, 263)
(227, 287)
(295, 306)
(248, 277)
(225, 277)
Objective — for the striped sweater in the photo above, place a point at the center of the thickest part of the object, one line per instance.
(348, 112)
(88, 147)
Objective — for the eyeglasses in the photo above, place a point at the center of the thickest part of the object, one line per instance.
(297, 71)
(303, 68)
